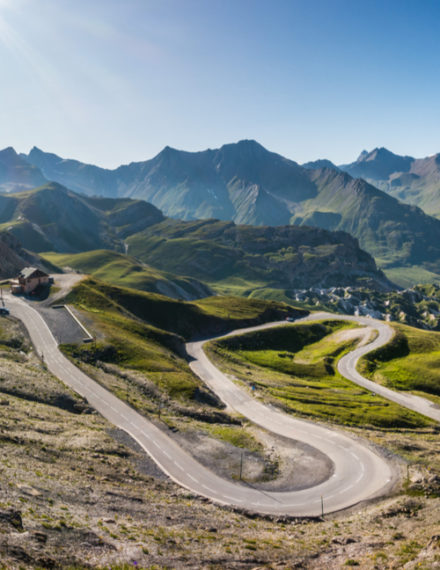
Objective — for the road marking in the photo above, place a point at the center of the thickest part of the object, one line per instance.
(193, 478)
(104, 401)
(234, 499)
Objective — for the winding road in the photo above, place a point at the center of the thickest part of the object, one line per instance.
(359, 472)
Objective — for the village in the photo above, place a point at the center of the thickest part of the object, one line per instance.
(417, 306)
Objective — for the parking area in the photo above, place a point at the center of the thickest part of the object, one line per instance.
(63, 326)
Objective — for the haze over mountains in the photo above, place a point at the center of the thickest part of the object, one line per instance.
(52, 218)
(17, 174)
(412, 180)
(247, 184)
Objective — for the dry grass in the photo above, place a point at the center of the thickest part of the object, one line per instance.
(88, 500)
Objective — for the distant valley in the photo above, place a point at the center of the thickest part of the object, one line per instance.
(235, 259)
(247, 184)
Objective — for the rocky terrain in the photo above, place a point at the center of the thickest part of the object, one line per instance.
(13, 257)
(412, 180)
(417, 306)
(76, 493)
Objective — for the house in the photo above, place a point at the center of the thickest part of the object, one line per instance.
(28, 280)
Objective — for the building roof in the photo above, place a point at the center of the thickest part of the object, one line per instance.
(27, 272)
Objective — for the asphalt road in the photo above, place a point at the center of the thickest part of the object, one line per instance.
(347, 366)
(359, 472)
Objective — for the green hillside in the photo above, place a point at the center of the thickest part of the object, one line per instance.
(52, 218)
(187, 319)
(119, 269)
(397, 235)
(411, 361)
(234, 259)
(248, 184)
(296, 368)
(142, 335)
(246, 258)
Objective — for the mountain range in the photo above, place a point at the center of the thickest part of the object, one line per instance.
(17, 174)
(247, 184)
(411, 180)
(54, 219)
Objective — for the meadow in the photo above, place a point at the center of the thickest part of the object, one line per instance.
(294, 367)
(410, 362)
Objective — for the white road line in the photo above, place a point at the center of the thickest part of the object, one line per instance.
(233, 499)
(193, 478)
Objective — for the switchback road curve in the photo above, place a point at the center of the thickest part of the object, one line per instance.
(359, 472)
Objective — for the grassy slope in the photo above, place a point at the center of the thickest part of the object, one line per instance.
(87, 500)
(144, 333)
(296, 366)
(241, 259)
(411, 361)
(126, 271)
(188, 319)
(139, 355)
(409, 276)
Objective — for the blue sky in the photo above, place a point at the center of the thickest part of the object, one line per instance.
(112, 81)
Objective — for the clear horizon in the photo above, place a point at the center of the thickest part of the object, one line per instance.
(110, 83)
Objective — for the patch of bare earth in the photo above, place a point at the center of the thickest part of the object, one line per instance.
(284, 465)
(65, 283)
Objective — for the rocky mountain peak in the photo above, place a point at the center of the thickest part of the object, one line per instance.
(378, 164)
(362, 156)
(8, 152)
(380, 154)
(320, 163)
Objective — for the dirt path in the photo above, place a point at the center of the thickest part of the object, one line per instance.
(65, 282)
